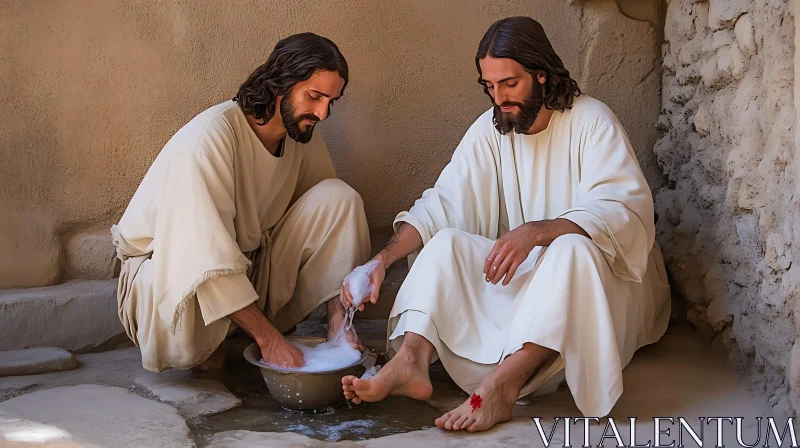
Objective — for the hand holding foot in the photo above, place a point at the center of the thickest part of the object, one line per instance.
(335, 323)
(336, 319)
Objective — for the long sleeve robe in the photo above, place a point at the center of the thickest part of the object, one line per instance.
(595, 302)
(219, 223)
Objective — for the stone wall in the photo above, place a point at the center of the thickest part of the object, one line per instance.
(93, 90)
(729, 213)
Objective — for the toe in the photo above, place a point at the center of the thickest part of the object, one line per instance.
(356, 400)
(441, 420)
(477, 425)
(469, 423)
(450, 421)
(460, 422)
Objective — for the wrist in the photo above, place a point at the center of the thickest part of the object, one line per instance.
(384, 258)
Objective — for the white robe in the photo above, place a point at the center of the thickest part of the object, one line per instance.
(595, 301)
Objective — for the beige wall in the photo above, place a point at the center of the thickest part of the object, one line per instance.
(92, 91)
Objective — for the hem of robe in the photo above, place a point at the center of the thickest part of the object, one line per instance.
(661, 323)
(536, 381)
(126, 250)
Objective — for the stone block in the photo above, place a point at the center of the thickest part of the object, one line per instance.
(90, 415)
(723, 13)
(74, 316)
(703, 120)
(721, 38)
(33, 361)
(192, 397)
(744, 34)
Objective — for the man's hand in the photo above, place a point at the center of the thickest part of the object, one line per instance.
(513, 248)
(510, 251)
(375, 279)
(282, 353)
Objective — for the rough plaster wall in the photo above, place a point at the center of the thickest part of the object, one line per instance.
(93, 90)
(729, 213)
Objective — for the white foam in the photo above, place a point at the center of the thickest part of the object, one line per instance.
(360, 288)
(359, 284)
(337, 353)
(370, 372)
(330, 355)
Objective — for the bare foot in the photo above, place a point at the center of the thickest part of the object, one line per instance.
(335, 323)
(485, 408)
(336, 315)
(400, 376)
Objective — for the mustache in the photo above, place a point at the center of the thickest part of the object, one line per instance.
(512, 103)
(311, 117)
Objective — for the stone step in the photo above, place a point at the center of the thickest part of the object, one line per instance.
(34, 361)
(75, 316)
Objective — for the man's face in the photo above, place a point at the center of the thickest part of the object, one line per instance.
(308, 102)
(517, 95)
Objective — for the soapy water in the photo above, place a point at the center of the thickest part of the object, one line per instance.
(370, 372)
(330, 355)
(337, 353)
(360, 288)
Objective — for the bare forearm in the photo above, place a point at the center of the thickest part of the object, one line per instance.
(405, 241)
(554, 228)
(253, 321)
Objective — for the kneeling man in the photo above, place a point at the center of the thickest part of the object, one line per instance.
(538, 254)
(240, 219)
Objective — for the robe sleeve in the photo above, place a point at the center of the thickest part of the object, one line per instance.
(465, 196)
(614, 204)
(195, 240)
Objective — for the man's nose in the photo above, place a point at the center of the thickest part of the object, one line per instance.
(499, 97)
(321, 112)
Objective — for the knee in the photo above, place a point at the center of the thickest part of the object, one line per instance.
(573, 243)
(447, 239)
(335, 193)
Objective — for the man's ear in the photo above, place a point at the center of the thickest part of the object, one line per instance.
(541, 78)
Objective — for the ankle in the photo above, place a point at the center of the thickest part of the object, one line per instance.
(502, 388)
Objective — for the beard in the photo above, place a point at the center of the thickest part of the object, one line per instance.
(292, 123)
(505, 122)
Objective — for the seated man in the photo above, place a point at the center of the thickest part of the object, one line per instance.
(236, 224)
(538, 251)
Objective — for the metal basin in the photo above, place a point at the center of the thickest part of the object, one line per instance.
(304, 391)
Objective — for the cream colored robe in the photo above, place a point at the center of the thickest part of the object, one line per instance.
(219, 223)
(595, 301)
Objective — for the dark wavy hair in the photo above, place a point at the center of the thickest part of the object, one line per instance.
(524, 40)
(293, 59)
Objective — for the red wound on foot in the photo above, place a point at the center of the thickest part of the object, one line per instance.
(475, 401)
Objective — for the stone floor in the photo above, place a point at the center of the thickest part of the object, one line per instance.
(109, 400)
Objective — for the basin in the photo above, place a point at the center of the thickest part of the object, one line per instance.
(304, 391)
